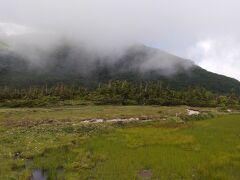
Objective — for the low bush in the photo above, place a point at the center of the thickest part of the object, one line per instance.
(44, 101)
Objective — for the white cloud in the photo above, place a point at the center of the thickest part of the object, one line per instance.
(12, 29)
(172, 25)
(218, 55)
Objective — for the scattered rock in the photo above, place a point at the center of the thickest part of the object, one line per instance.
(192, 112)
(17, 155)
(115, 120)
(93, 120)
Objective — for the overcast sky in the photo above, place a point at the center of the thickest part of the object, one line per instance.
(206, 31)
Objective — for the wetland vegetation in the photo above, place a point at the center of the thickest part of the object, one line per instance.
(55, 143)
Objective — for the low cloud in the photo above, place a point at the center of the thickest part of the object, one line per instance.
(112, 25)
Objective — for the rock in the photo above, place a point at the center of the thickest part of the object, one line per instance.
(192, 112)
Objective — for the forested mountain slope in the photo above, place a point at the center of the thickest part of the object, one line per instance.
(64, 64)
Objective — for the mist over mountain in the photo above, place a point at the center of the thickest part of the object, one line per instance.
(79, 64)
(203, 31)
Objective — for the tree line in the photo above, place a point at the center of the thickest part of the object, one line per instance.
(123, 93)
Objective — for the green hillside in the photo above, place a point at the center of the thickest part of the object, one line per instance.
(85, 70)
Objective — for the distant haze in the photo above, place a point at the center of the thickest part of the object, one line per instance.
(206, 31)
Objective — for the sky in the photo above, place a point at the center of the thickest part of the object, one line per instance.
(205, 31)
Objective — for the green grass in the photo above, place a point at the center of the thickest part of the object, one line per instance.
(65, 148)
(207, 149)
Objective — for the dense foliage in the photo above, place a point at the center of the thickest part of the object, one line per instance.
(121, 93)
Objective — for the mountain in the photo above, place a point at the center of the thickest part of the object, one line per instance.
(79, 66)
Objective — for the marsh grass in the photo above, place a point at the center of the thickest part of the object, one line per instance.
(54, 141)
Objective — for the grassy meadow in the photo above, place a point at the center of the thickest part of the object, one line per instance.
(54, 143)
